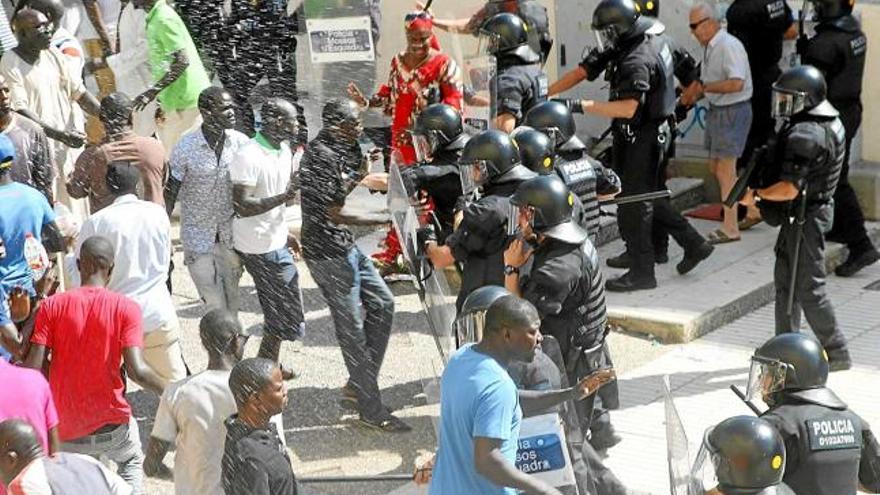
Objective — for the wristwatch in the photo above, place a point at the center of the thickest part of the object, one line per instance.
(510, 270)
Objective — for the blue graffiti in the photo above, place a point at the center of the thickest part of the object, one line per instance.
(697, 118)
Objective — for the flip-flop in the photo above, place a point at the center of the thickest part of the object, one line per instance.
(719, 237)
(747, 223)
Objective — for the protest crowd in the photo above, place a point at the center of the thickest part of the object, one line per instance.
(123, 123)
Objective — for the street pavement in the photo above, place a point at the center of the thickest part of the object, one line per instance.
(324, 439)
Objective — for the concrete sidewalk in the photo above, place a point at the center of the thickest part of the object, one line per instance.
(702, 370)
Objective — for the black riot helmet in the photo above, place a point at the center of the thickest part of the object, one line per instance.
(536, 150)
(615, 21)
(438, 127)
(547, 203)
(490, 157)
(801, 89)
(472, 317)
(554, 119)
(506, 34)
(742, 454)
(828, 10)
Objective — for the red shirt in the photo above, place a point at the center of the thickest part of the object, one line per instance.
(87, 328)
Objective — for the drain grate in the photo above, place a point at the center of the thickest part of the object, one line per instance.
(873, 286)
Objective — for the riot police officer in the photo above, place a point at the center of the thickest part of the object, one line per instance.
(585, 176)
(838, 50)
(521, 83)
(831, 450)
(641, 101)
(490, 171)
(743, 454)
(805, 163)
(761, 26)
(438, 137)
(565, 285)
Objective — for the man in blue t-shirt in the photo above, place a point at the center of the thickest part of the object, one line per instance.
(480, 413)
(25, 211)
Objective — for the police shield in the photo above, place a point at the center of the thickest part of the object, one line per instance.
(681, 481)
(480, 92)
(433, 288)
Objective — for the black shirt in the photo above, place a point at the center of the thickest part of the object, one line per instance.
(521, 87)
(759, 25)
(640, 73)
(329, 171)
(255, 462)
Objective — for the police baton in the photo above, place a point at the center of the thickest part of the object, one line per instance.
(636, 198)
(355, 479)
(745, 400)
(796, 253)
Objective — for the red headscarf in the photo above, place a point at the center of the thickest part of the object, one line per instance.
(421, 20)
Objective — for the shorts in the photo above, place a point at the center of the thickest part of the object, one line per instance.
(277, 281)
(727, 128)
(163, 353)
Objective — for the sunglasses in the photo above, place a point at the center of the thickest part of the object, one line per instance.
(421, 14)
(695, 25)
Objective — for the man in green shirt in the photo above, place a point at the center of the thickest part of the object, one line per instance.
(177, 70)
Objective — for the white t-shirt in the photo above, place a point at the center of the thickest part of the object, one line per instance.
(46, 88)
(33, 479)
(141, 236)
(191, 415)
(268, 171)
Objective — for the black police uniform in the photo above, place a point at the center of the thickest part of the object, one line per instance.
(587, 179)
(809, 153)
(263, 38)
(838, 50)
(829, 449)
(533, 14)
(481, 238)
(440, 179)
(642, 71)
(520, 86)
(567, 287)
(760, 25)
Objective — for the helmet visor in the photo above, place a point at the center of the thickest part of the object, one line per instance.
(785, 103)
(473, 175)
(766, 376)
(703, 477)
(470, 327)
(515, 215)
(488, 43)
(606, 38)
(425, 147)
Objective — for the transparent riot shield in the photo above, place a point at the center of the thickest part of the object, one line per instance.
(433, 288)
(481, 95)
(676, 446)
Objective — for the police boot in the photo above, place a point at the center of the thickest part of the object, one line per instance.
(604, 438)
(630, 281)
(623, 261)
(854, 263)
(693, 258)
(839, 360)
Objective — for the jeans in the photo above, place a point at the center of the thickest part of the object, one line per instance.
(216, 275)
(277, 282)
(348, 284)
(122, 446)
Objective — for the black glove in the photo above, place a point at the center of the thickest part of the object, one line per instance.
(412, 179)
(574, 105)
(425, 235)
(596, 62)
(681, 112)
(801, 45)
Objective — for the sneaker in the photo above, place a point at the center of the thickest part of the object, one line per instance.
(853, 264)
(692, 259)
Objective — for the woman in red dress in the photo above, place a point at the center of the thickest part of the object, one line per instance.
(420, 75)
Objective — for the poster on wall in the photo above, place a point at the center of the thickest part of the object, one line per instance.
(340, 39)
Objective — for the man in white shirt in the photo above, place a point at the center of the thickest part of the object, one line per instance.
(141, 236)
(726, 82)
(192, 412)
(261, 174)
(43, 88)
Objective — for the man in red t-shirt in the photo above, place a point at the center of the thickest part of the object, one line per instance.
(90, 332)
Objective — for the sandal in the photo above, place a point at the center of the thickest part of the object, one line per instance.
(719, 237)
(388, 424)
(747, 223)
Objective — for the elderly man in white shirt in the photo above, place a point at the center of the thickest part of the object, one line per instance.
(141, 235)
(726, 82)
